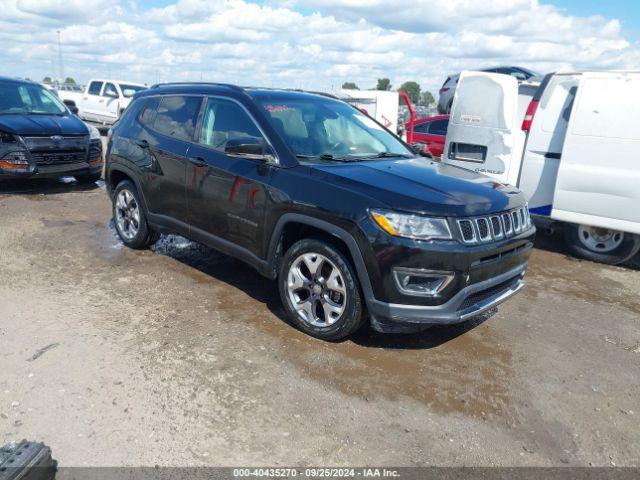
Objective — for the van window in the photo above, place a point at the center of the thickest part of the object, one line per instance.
(224, 120)
(94, 88)
(608, 108)
(177, 116)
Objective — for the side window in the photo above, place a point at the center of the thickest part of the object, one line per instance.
(94, 88)
(439, 127)
(25, 97)
(177, 116)
(224, 120)
(422, 127)
(110, 91)
(148, 113)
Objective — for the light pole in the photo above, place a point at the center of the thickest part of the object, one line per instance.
(60, 58)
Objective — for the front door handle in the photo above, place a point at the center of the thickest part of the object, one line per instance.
(142, 144)
(198, 161)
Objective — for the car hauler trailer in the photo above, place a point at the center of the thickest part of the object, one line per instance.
(570, 145)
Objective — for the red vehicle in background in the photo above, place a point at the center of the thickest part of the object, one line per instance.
(431, 131)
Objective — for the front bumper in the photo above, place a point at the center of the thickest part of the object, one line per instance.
(466, 304)
(52, 171)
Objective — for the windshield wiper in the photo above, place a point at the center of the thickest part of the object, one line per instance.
(325, 156)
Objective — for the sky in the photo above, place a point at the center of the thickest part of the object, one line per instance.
(312, 44)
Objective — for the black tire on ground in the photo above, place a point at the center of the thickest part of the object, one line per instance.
(90, 178)
(628, 247)
(351, 318)
(144, 236)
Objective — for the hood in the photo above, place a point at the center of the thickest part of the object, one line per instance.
(24, 124)
(421, 185)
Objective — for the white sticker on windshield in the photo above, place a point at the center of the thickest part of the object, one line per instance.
(367, 122)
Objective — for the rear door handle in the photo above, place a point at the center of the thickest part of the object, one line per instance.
(142, 143)
(198, 161)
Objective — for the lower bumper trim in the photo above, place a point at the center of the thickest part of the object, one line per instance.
(466, 304)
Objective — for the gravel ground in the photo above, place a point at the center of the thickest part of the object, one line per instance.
(180, 356)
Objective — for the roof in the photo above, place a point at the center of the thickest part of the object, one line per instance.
(16, 80)
(256, 93)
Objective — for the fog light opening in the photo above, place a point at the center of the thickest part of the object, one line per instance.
(423, 283)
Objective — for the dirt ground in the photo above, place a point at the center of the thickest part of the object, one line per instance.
(180, 356)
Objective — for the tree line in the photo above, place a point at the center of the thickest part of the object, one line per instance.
(411, 88)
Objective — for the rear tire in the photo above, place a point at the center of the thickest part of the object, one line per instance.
(320, 291)
(600, 244)
(130, 219)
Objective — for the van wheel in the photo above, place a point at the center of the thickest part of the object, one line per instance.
(320, 291)
(601, 244)
(130, 219)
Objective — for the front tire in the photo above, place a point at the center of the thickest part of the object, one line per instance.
(600, 244)
(130, 219)
(320, 291)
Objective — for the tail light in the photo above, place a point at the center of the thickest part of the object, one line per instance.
(528, 117)
(443, 90)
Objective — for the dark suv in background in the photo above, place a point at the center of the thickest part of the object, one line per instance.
(312, 192)
(40, 136)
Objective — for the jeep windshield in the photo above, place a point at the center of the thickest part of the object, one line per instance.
(24, 98)
(326, 129)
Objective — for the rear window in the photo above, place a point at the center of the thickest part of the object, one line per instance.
(94, 88)
(177, 116)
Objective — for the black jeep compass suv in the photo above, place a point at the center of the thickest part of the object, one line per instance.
(314, 193)
(40, 137)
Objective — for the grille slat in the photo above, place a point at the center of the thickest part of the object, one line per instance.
(495, 227)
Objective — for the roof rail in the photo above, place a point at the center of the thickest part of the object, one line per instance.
(169, 84)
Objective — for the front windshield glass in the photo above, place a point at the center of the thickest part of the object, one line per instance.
(29, 99)
(330, 129)
(130, 90)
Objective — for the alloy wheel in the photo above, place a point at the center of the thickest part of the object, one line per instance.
(127, 214)
(316, 289)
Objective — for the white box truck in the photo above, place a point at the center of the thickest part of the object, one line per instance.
(572, 146)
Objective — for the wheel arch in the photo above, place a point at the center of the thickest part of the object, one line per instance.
(293, 226)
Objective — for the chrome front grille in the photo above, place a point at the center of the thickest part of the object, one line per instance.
(495, 227)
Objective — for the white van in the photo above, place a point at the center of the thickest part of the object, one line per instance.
(574, 150)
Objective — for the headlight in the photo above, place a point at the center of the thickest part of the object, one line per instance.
(412, 226)
(94, 133)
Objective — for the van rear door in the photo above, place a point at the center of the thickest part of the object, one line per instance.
(484, 128)
(598, 181)
(545, 140)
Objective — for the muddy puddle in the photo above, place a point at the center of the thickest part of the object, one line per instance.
(582, 280)
(460, 369)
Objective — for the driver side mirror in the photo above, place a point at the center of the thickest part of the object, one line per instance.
(71, 105)
(248, 147)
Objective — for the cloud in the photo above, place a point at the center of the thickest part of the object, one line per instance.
(315, 44)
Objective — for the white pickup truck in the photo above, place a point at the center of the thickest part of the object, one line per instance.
(102, 101)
